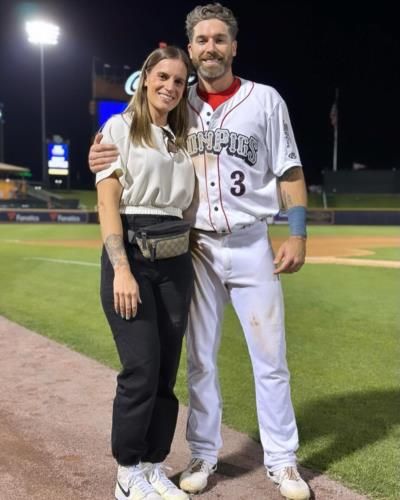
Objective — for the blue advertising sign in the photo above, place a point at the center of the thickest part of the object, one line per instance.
(107, 108)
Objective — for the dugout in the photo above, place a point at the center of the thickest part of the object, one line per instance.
(16, 192)
(13, 184)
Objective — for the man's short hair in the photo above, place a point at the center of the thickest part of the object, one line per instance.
(211, 11)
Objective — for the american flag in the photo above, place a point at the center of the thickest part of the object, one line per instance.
(334, 113)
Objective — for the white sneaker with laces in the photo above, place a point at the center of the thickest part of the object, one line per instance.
(194, 478)
(133, 485)
(155, 474)
(290, 483)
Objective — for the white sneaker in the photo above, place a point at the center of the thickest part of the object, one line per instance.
(133, 485)
(290, 483)
(194, 478)
(155, 474)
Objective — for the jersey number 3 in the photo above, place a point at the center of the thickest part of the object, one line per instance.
(238, 188)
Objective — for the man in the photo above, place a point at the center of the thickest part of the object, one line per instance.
(246, 160)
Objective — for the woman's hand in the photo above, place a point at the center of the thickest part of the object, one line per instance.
(126, 293)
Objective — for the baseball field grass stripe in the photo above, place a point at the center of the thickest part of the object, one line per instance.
(63, 261)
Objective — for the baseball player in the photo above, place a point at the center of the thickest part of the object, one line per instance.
(247, 163)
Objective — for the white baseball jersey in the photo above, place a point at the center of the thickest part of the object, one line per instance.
(238, 151)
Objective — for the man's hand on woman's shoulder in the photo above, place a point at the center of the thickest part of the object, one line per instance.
(101, 155)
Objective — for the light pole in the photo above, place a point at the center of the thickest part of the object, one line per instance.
(42, 33)
(1, 132)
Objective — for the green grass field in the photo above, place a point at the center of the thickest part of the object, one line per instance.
(383, 254)
(342, 335)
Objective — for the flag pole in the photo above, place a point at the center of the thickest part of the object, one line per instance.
(334, 115)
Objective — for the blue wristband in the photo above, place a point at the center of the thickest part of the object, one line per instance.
(297, 221)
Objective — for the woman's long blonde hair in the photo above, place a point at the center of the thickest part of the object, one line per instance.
(138, 107)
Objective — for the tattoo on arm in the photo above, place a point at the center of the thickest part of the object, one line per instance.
(286, 200)
(116, 250)
(291, 175)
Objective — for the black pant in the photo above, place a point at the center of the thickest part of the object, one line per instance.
(149, 346)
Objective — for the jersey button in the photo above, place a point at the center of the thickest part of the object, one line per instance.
(212, 184)
(216, 209)
(208, 113)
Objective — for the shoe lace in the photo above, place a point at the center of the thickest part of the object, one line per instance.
(199, 465)
(290, 473)
(157, 473)
(137, 479)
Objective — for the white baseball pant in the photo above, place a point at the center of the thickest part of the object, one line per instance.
(239, 267)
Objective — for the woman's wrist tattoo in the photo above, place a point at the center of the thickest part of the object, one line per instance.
(116, 250)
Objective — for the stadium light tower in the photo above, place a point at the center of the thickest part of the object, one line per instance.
(1, 132)
(42, 33)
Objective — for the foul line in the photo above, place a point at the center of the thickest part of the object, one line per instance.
(62, 261)
(354, 262)
(309, 260)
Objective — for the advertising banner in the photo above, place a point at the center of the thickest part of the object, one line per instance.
(44, 216)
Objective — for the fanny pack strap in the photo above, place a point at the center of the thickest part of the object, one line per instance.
(131, 236)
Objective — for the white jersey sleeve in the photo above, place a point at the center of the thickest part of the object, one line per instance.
(282, 149)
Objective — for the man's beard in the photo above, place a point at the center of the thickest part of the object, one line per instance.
(211, 73)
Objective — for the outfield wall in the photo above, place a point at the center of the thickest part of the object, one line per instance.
(314, 216)
(362, 181)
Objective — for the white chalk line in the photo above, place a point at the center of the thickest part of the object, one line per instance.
(309, 260)
(63, 261)
(393, 264)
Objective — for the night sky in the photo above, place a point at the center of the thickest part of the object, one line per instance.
(304, 49)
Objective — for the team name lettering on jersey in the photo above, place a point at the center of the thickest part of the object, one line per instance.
(215, 141)
(288, 139)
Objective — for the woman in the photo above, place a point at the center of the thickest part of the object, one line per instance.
(146, 302)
